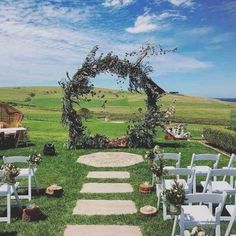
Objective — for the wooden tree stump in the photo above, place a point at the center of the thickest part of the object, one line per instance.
(54, 191)
(31, 213)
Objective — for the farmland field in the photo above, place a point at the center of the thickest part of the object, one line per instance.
(42, 118)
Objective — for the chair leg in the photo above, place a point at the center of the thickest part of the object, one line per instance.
(36, 184)
(194, 184)
(231, 223)
(8, 206)
(218, 230)
(17, 197)
(174, 226)
(29, 188)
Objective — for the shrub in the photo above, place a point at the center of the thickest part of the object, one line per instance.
(32, 94)
(27, 99)
(221, 139)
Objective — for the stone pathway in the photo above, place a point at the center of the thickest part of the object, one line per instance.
(106, 188)
(108, 175)
(103, 207)
(110, 159)
(102, 230)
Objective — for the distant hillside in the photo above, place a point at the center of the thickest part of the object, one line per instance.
(39, 101)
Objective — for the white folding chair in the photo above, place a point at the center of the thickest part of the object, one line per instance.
(232, 211)
(167, 184)
(168, 156)
(200, 215)
(25, 173)
(219, 186)
(203, 170)
(7, 190)
(232, 160)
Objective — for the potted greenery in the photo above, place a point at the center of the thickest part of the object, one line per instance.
(157, 166)
(34, 159)
(196, 231)
(10, 172)
(174, 197)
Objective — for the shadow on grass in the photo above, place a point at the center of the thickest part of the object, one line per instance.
(14, 233)
(171, 144)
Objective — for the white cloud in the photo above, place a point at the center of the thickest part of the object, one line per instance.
(151, 22)
(186, 3)
(175, 62)
(178, 3)
(144, 23)
(171, 14)
(199, 31)
(117, 3)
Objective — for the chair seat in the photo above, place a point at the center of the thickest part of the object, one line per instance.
(24, 173)
(201, 170)
(198, 214)
(3, 189)
(219, 186)
(169, 167)
(230, 209)
(168, 183)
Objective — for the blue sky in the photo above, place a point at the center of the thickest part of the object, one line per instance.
(41, 40)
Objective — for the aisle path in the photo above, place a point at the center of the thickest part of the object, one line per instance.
(103, 207)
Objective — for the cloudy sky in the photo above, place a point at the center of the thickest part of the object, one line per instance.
(41, 40)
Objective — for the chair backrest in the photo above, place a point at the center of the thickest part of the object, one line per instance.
(180, 171)
(216, 198)
(183, 172)
(232, 160)
(15, 159)
(206, 157)
(216, 173)
(171, 156)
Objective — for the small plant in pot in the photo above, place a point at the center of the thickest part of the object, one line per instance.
(10, 172)
(157, 166)
(174, 197)
(34, 159)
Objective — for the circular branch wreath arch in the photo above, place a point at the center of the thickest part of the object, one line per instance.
(139, 133)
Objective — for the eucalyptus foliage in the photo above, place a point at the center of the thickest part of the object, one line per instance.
(140, 133)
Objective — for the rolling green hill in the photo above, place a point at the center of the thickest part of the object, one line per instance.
(45, 104)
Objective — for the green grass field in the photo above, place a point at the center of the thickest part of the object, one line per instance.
(42, 118)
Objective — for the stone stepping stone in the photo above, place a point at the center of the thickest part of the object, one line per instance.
(106, 188)
(110, 159)
(104, 207)
(108, 175)
(102, 230)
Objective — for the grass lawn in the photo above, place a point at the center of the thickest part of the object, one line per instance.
(43, 121)
(64, 171)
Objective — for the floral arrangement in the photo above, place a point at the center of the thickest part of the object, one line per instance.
(196, 231)
(10, 172)
(35, 159)
(175, 196)
(156, 167)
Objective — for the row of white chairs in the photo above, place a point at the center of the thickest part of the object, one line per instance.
(210, 186)
(10, 191)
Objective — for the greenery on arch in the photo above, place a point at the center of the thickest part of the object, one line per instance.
(141, 132)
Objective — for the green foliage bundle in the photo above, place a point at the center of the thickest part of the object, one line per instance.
(157, 166)
(10, 172)
(221, 139)
(175, 195)
(35, 159)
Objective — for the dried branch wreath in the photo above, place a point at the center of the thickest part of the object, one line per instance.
(139, 133)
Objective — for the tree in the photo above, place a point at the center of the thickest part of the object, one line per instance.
(85, 113)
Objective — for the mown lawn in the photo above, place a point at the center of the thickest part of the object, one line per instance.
(42, 118)
(63, 170)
